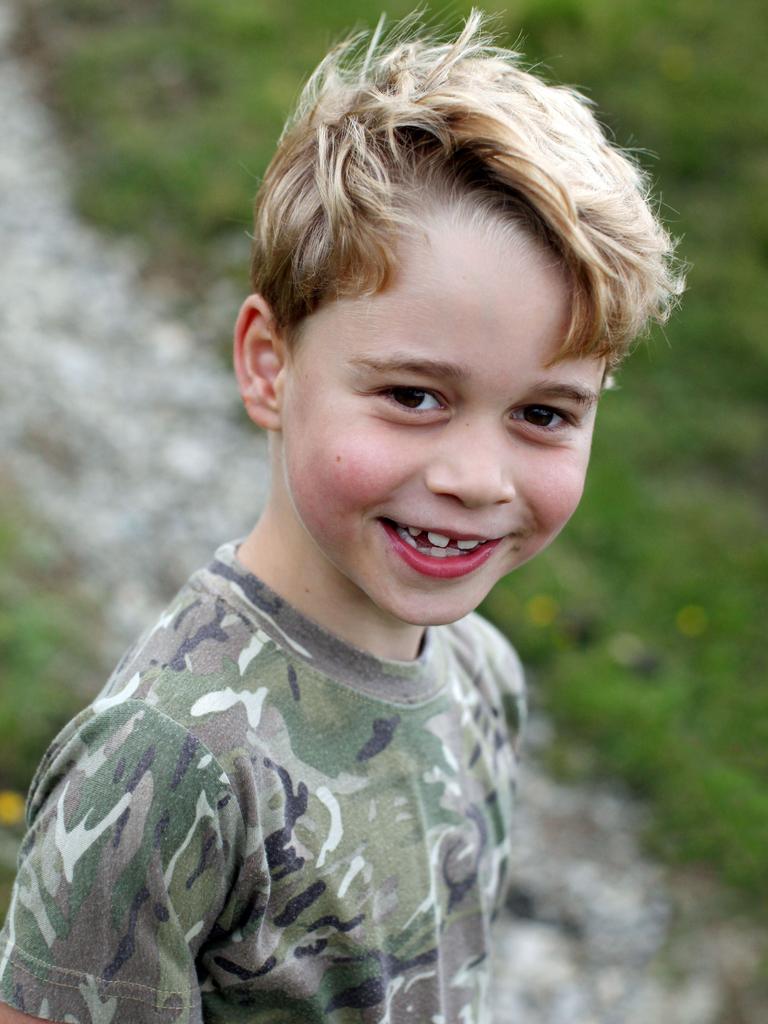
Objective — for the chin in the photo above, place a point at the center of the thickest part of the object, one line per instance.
(435, 613)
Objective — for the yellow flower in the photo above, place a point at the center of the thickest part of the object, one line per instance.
(541, 610)
(692, 620)
(11, 807)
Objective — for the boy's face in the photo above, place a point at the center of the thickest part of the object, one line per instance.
(423, 446)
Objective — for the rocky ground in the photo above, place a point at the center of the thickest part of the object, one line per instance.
(122, 430)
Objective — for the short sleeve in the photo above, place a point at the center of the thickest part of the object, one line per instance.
(125, 867)
(511, 680)
(508, 677)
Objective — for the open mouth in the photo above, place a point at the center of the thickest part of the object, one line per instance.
(436, 545)
(436, 554)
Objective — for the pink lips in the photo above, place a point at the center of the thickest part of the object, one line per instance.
(440, 568)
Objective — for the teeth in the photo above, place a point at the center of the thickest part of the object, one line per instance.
(408, 538)
(439, 542)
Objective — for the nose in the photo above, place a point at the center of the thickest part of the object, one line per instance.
(473, 466)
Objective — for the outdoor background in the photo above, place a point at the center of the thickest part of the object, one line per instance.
(644, 626)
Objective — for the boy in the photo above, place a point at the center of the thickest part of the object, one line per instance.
(292, 800)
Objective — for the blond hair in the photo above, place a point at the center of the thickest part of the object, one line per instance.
(384, 130)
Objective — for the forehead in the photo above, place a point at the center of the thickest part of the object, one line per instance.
(481, 263)
(459, 279)
(468, 299)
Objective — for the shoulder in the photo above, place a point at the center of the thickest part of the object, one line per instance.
(211, 684)
(135, 745)
(484, 656)
(478, 644)
(122, 758)
(205, 665)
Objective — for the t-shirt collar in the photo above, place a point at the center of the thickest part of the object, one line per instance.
(399, 682)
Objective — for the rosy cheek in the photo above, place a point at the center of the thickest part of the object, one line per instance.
(558, 494)
(340, 474)
(362, 473)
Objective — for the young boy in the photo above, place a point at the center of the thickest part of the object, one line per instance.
(292, 800)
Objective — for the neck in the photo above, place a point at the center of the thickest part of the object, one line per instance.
(334, 604)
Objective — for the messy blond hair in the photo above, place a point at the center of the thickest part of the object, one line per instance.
(386, 129)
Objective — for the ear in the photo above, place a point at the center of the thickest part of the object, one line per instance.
(259, 358)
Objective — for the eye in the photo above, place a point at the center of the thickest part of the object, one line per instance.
(542, 416)
(414, 398)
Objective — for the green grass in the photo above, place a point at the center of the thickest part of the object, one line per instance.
(50, 665)
(644, 625)
(49, 642)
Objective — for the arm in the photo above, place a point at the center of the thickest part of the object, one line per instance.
(122, 874)
(9, 1016)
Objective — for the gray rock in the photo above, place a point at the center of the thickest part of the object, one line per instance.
(120, 424)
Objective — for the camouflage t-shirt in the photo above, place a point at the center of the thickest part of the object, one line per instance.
(255, 821)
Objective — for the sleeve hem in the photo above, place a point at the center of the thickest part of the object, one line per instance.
(61, 977)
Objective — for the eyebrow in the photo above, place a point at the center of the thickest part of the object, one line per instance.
(404, 363)
(582, 396)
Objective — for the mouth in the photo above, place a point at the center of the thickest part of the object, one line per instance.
(434, 544)
(437, 554)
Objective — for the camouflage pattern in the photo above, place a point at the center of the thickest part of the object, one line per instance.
(256, 822)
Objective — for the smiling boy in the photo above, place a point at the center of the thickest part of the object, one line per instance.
(292, 800)
(424, 446)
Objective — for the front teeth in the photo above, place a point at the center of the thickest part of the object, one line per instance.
(438, 541)
(434, 552)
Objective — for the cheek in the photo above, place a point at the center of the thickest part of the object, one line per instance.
(339, 473)
(558, 492)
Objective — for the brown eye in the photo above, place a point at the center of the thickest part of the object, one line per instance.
(542, 416)
(539, 415)
(414, 398)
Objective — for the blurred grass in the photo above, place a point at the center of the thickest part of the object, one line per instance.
(644, 625)
(49, 647)
(50, 661)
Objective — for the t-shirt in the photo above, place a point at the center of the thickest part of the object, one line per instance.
(256, 821)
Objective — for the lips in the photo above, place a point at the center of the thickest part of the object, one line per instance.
(437, 554)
